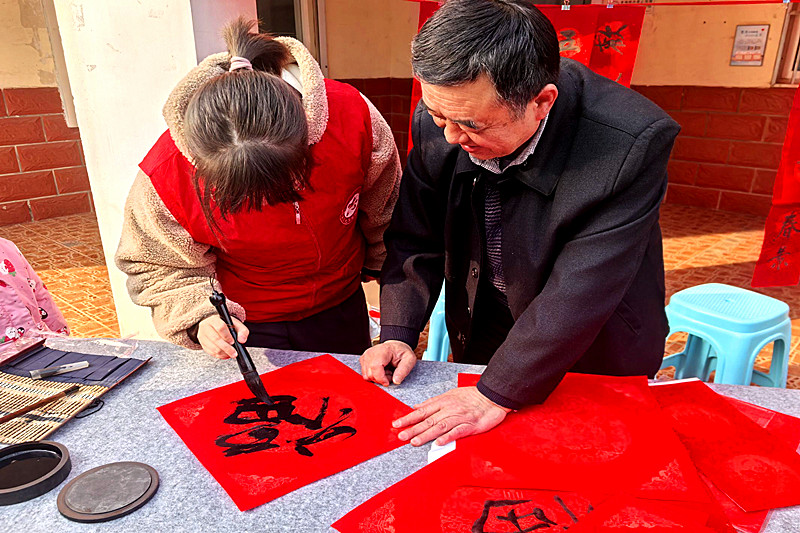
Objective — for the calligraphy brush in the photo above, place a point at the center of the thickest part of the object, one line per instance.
(31, 407)
(246, 365)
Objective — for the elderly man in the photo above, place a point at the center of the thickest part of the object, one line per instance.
(533, 191)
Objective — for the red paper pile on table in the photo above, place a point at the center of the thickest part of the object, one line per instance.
(604, 454)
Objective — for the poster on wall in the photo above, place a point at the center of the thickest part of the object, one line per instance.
(749, 45)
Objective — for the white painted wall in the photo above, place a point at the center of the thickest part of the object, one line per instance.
(208, 17)
(123, 58)
(26, 59)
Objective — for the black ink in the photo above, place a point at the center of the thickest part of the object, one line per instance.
(779, 261)
(328, 432)
(511, 517)
(563, 505)
(790, 224)
(608, 39)
(269, 417)
(516, 520)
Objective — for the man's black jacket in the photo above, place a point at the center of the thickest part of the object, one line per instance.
(581, 245)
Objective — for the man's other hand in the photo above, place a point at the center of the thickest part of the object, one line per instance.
(455, 414)
(388, 362)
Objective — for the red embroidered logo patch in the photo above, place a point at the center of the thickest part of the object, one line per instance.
(350, 210)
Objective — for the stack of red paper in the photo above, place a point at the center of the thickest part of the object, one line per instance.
(604, 454)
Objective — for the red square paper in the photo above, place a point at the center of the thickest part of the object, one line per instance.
(781, 426)
(326, 418)
(593, 433)
(435, 499)
(743, 460)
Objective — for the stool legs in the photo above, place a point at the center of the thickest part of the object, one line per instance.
(779, 365)
(733, 359)
(438, 343)
(695, 359)
(735, 366)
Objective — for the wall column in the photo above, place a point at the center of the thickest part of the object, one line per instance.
(123, 59)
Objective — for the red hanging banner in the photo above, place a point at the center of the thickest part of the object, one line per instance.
(616, 42)
(605, 40)
(779, 262)
(325, 419)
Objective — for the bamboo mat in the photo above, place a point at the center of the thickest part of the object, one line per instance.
(16, 392)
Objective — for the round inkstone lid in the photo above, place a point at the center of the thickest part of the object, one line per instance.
(108, 492)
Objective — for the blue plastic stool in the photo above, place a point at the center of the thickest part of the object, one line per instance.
(438, 341)
(727, 328)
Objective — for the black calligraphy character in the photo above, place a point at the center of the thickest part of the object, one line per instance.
(790, 224)
(261, 438)
(779, 261)
(516, 520)
(325, 433)
(563, 505)
(263, 435)
(608, 39)
(567, 41)
(512, 517)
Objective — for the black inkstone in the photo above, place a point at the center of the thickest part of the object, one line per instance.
(108, 492)
(31, 469)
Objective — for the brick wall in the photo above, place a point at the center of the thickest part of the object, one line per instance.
(392, 97)
(729, 148)
(725, 158)
(42, 171)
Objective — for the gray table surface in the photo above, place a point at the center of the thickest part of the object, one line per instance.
(128, 428)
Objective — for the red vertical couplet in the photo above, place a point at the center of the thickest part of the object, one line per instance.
(325, 419)
(779, 262)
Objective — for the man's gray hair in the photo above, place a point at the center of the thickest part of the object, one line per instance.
(510, 41)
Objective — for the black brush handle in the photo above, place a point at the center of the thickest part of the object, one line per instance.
(246, 366)
(242, 357)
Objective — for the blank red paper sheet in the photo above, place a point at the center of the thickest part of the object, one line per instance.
(742, 459)
(593, 433)
(325, 419)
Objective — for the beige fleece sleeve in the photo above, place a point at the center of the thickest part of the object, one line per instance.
(167, 270)
(381, 188)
